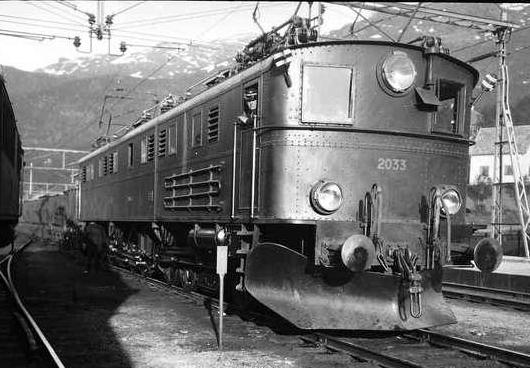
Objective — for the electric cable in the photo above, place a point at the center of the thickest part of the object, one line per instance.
(15, 33)
(44, 9)
(43, 26)
(73, 17)
(183, 17)
(38, 20)
(72, 6)
(126, 9)
(190, 43)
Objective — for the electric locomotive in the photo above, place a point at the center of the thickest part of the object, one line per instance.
(334, 172)
(11, 163)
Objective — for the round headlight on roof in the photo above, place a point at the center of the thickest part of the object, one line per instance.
(398, 71)
(326, 197)
(452, 201)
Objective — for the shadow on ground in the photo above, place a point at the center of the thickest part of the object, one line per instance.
(74, 309)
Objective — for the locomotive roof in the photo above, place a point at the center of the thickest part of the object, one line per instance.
(238, 78)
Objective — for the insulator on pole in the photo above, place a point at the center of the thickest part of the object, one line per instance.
(77, 41)
(489, 82)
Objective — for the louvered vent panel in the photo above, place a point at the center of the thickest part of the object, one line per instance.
(150, 147)
(162, 139)
(213, 124)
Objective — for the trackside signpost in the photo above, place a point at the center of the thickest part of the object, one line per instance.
(222, 265)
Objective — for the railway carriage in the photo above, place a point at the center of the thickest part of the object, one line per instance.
(334, 171)
(11, 163)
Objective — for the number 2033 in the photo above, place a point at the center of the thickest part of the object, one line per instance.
(394, 164)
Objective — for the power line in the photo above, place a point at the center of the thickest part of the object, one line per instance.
(72, 6)
(156, 70)
(88, 122)
(42, 25)
(73, 17)
(32, 35)
(126, 9)
(485, 41)
(216, 23)
(189, 43)
(38, 20)
(181, 17)
(44, 9)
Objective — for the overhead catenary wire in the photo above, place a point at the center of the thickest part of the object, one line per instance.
(188, 44)
(374, 25)
(73, 7)
(161, 36)
(404, 29)
(39, 20)
(208, 30)
(38, 6)
(182, 16)
(126, 9)
(43, 26)
(44, 36)
(73, 17)
(143, 80)
(186, 16)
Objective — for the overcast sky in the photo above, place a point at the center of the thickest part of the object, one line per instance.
(145, 23)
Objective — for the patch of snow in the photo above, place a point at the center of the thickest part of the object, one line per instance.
(129, 58)
(54, 71)
(376, 36)
(136, 75)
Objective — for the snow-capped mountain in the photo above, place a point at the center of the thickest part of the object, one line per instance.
(60, 105)
(140, 64)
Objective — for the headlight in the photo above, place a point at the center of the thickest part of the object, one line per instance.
(398, 71)
(326, 197)
(451, 201)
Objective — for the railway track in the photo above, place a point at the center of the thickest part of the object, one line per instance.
(392, 350)
(505, 298)
(24, 345)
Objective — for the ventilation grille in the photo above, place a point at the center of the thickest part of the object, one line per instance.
(213, 124)
(162, 139)
(150, 147)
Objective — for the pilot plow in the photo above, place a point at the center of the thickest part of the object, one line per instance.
(277, 277)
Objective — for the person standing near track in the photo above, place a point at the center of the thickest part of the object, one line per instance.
(96, 244)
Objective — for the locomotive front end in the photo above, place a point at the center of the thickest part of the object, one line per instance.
(363, 162)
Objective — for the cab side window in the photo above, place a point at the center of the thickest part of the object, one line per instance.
(448, 118)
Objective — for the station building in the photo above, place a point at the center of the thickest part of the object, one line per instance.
(482, 154)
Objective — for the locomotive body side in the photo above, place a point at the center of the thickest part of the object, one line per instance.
(11, 163)
(150, 181)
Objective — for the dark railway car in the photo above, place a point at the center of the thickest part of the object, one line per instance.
(11, 163)
(334, 171)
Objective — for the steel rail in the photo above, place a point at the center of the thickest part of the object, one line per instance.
(503, 355)
(358, 351)
(506, 298)
(27, 316)
(507, 356)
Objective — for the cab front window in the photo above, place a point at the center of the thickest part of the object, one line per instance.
(327, 92)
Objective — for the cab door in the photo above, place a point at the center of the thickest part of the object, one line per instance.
(246, 157)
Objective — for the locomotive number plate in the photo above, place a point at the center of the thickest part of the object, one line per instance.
(394, 164)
